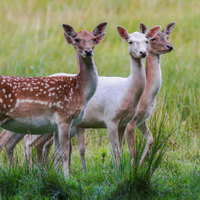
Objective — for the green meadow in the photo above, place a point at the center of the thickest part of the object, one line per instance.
(32, 44)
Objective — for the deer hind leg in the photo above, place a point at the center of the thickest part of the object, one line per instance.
(65, 142)
(149, 140)
(121, 137)
(46, 149)
(39, 145)
(11, 144)
(29, 141)
(4, 137)
(130, 138)
(81, 143)
(39, 148)
(113, 135)
(57, 152)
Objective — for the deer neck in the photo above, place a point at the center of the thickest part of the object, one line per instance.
(153, 76)
(88, 76)
(137, 79)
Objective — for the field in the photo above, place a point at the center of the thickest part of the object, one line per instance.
(32, 44)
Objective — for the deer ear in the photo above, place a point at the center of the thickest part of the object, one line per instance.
(100, 29)
(123, 33)
(98, 39)
(169, 28)
(69, 30)
(152, 32)
(143, 28)
(68, 39)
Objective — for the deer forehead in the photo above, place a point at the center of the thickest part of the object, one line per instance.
(137, 37)
(162, 36)
(85, 35)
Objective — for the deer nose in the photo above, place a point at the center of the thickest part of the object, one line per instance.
(88, 52)
(170, 47)
(143, 54)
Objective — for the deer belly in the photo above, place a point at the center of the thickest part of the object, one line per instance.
(33, 125)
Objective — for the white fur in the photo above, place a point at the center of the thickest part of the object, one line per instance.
(111, 92)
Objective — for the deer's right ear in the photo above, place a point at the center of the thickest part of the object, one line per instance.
(143, 28)
(68, 39)
(123, 33)
(69, 30)
(152, 32)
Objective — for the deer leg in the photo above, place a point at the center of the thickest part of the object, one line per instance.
(4, 137)
(121, 136)
(46, 150)
(113, 135)
(149, 140)
(130, 134)
(64, 141)
(57, 156)
(81, 143)
(11, 144)
(39, 154)
(29, 141)
(39, 145)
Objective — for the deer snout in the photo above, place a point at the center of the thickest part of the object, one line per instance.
(143, 54)
(88, 52)
(170, 47)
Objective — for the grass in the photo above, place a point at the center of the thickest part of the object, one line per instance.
(32, 44)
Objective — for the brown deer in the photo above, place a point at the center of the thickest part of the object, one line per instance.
(32, 105)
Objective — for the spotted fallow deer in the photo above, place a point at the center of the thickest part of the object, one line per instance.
(32, 105)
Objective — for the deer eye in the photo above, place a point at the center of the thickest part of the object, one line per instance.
(77, 40)
(153, 39)
(130, 42)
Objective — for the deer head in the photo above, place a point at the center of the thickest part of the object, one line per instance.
(160, 44)
(138, 42)
(84, 41)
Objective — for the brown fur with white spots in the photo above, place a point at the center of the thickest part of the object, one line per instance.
(42, 104)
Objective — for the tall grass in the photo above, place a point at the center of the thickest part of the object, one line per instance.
(32, 44)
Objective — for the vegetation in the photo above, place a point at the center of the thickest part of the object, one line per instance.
(32, 44)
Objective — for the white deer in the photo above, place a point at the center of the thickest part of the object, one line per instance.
(52, 104)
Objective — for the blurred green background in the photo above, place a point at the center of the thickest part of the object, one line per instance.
(32, 44)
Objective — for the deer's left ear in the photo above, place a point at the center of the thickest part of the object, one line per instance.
(169, 28)
(98, 39)
(143, 28)
(100, 29)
